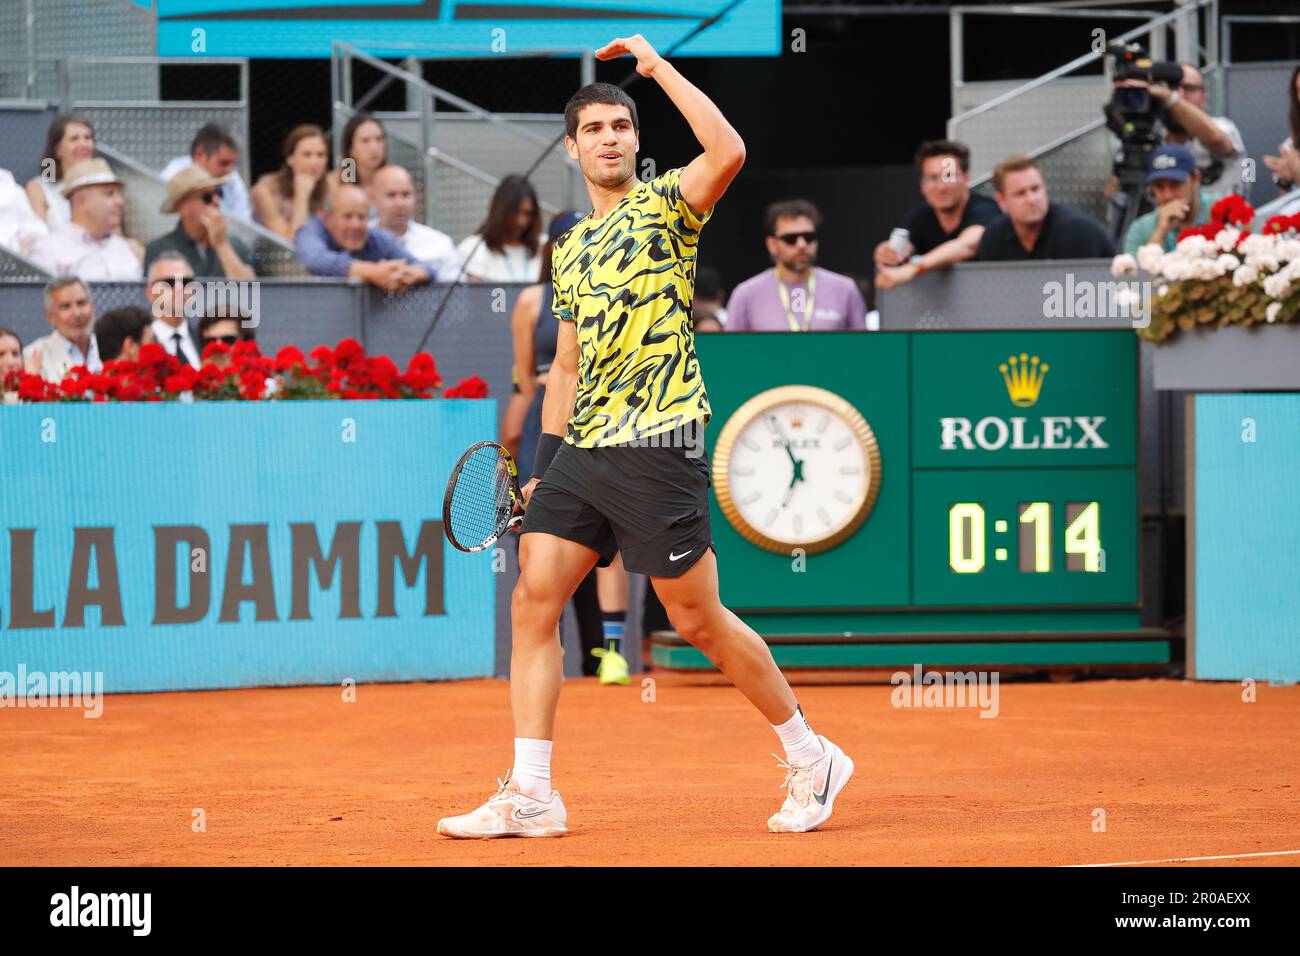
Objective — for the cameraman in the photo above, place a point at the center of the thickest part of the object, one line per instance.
(1215, 141)
(1175, 183)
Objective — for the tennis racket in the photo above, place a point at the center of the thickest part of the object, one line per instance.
(483, 499)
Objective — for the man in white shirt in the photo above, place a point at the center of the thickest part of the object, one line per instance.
(392, 193)
(71, 313)
(216, 151)
(89, 246)
(19, 225)
(167, 287)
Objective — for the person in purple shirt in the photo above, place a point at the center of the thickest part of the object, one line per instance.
(795, 295)
(340, 242)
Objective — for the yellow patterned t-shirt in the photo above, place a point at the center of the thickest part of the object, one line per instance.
(627, 280)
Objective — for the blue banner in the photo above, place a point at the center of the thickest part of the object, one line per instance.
(307, 28)
(188, 546)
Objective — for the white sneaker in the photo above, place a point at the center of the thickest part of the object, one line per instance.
(509, 813)
(812, 790)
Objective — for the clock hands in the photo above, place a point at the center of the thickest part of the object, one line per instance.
(797, 474)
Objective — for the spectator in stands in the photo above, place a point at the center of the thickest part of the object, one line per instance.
(1033, 227)
(170, 293)
(1214, 140)
(1175, 184)
(71, 313)
(710, 298)
(69, 140)
(504, 249)
(201, 233)
(392, 193)
(19, 225)
(947, 227)
(284, 200)
(1285, 166)
(707, 322)
(11, 352)
(795, 295)
(89, 246)
(225, 331)
(365, 152)
(215, 150)
(339, 242)
(120, 333)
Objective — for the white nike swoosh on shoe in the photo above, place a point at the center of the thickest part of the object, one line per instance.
(676, 557)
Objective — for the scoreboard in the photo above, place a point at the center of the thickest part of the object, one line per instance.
(921, 484)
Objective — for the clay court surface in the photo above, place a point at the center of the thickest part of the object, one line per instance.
(296, 776)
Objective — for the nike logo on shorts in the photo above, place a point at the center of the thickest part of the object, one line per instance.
(678, 557)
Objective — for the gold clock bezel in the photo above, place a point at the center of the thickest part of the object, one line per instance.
(782, 395)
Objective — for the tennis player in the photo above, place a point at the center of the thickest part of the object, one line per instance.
(621, 463)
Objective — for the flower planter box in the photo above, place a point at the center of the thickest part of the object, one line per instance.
(1260, 358)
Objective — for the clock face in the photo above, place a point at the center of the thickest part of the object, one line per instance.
(797, 467)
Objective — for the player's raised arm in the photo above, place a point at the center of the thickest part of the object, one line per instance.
(709, 174)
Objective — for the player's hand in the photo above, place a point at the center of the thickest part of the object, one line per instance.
(527, 489)
(638, 46)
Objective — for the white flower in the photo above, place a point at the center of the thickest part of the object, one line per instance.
(1277, 286)
(1255, 244)
(1245, 275)
(1175, 269)
(1273, 309)
(1195, 247)
(1150, 256)
(1288, 249)
(1227, 238)
(1161, 290)
(1264, 261)
(1123, 265)
(1207, 269)
(1228, 262)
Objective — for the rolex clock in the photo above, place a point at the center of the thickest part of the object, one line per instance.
(796, 467)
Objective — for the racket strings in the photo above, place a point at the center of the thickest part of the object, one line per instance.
(481, 504)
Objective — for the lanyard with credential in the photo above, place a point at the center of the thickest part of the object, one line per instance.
(785, 301)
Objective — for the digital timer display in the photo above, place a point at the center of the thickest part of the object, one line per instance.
(968, 526)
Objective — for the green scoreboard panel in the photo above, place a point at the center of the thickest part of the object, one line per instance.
(1003, 481)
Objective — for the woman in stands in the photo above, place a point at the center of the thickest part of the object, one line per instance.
(365, 150)
(1286, 165)
(283, 200)
(505, 247)
(68, 141)
(11, 360)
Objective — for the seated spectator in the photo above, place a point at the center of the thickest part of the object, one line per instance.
(11, 352)
(120, 333)
(170, 292)
(339, 242)
(71, 313)
(505, 247)
(710, 298)
(947, 227)
(1033, 227)
(392, 193)
(708, 322)
(19, 226)
(89, 246)
(365, 152)
(69, 140)
(225, 331)
(795, 295)
(1285, 166)
(284, 200)
(1215, 141)
(1175, 184)
(201, 234)
(216, 151)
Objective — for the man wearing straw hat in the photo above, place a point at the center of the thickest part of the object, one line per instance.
(89, 246)
(200, 234)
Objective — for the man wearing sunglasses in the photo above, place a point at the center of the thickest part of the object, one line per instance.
(1215, 141)
(200, 234)
(795, 295)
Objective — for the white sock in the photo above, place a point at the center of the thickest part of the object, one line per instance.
(532, 770)
(802, 746)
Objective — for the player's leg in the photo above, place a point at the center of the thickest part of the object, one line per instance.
(816, 768)
(612, 585)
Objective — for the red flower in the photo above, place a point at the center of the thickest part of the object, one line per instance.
(288, 357)
(472, 387)
(1232, 209)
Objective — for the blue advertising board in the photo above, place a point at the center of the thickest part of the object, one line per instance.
(187, 546)
(308, 28)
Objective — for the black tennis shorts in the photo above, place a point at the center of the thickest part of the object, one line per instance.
(649, 500)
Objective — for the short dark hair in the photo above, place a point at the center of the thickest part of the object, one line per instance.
(246, 332)
(591, 94)
(788, 209)
(944, 147)
(113, 328)
(210, 138)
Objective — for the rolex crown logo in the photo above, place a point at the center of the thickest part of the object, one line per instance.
(1024, 377)
(796, 421)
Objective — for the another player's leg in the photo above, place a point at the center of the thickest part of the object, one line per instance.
(816, 769)
(612, 584)
(550, 568)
